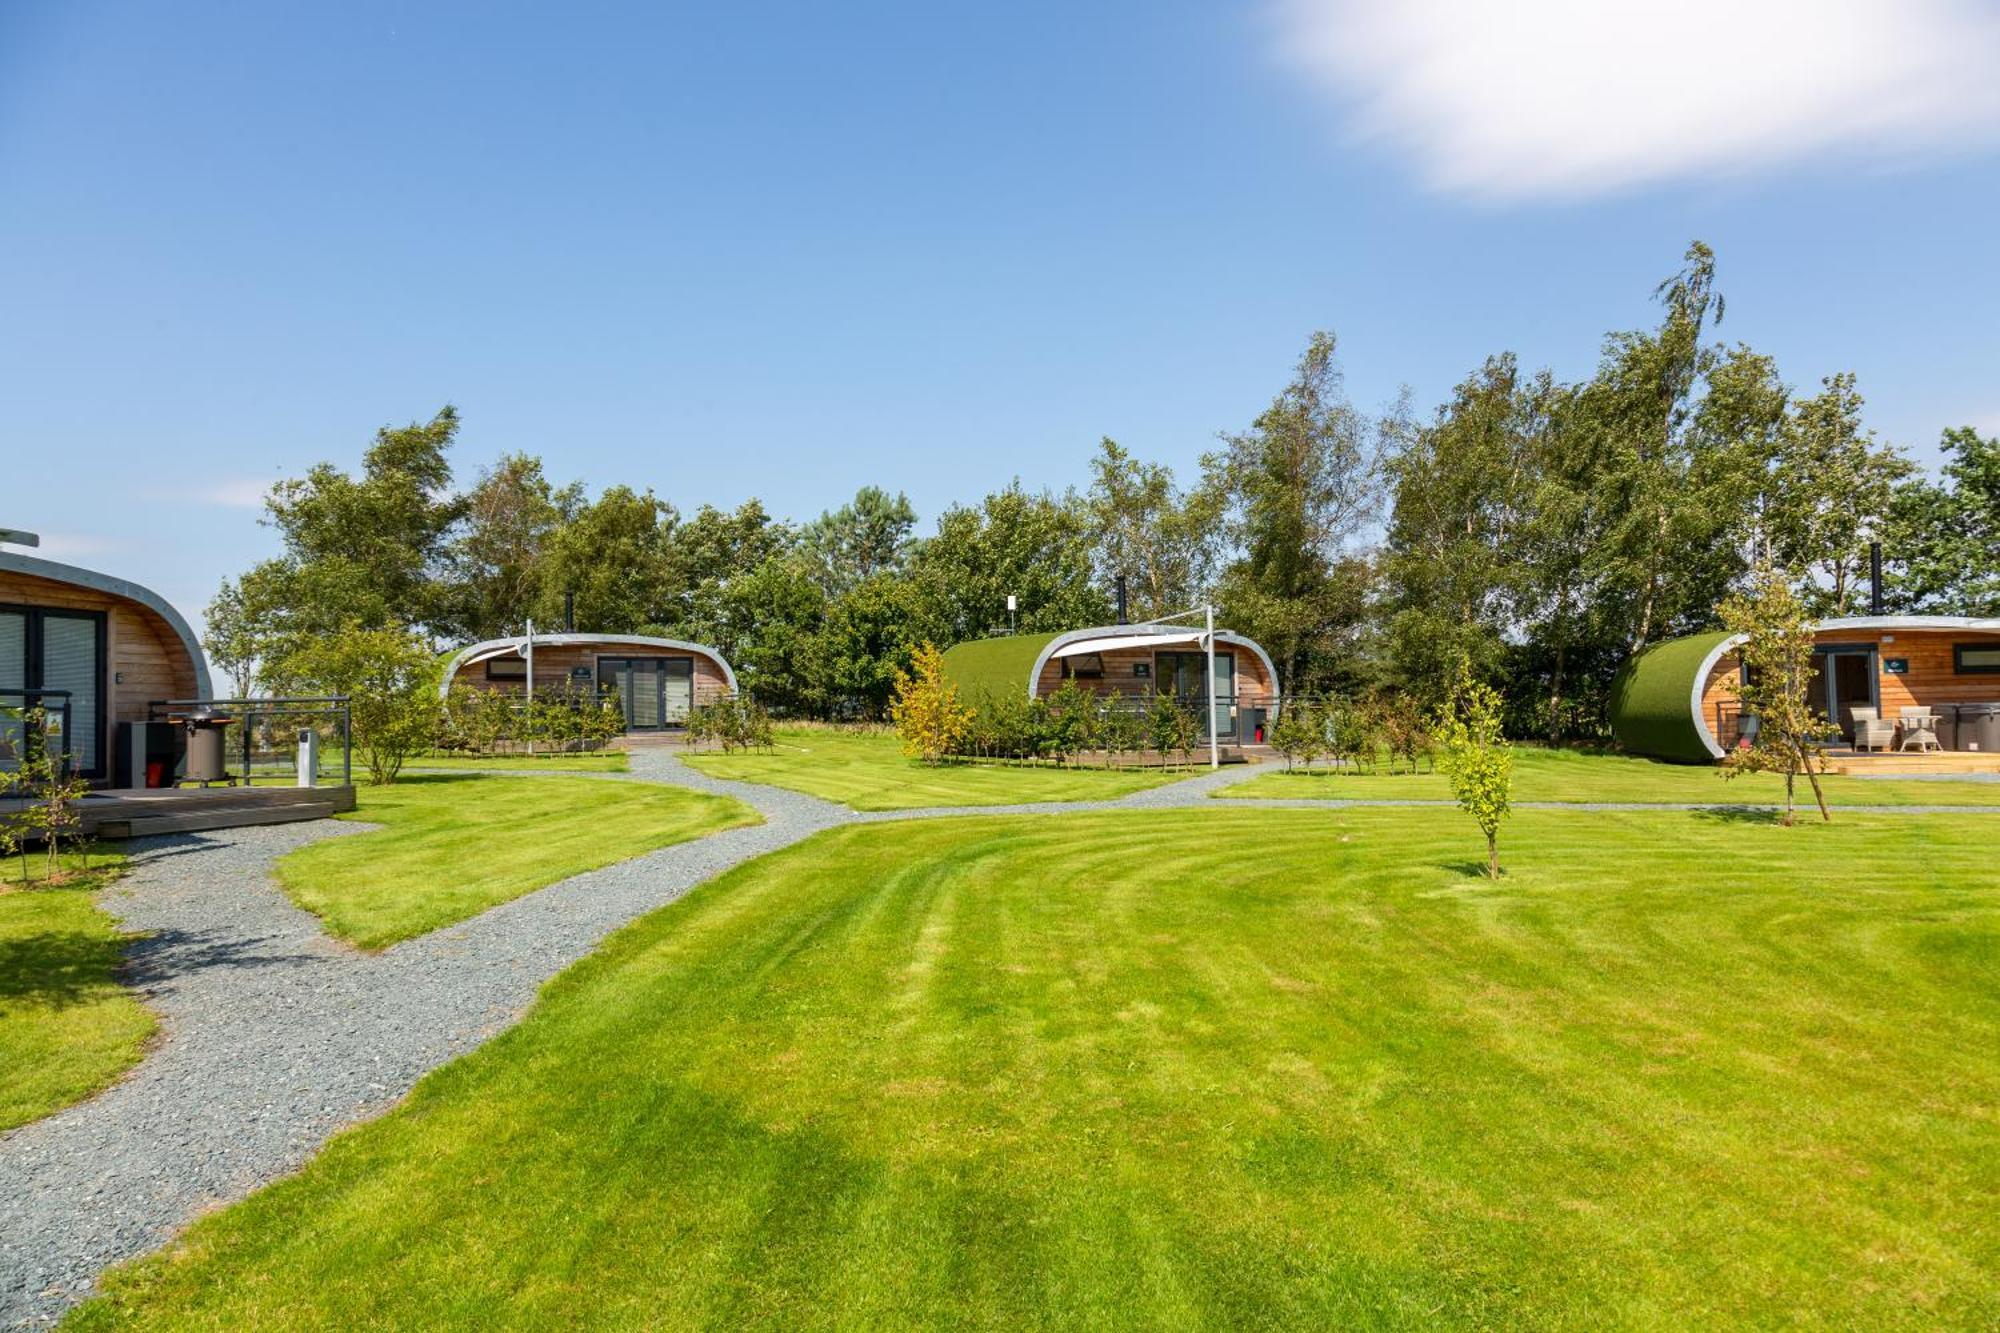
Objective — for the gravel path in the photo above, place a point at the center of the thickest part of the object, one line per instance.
(274, 1036)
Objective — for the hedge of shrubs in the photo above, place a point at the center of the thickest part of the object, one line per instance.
(477, 721)
(1369, 734)
(1063, 727)
(734, 722)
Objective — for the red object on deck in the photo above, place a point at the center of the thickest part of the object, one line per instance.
(156, 773)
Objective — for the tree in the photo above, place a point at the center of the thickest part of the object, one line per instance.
(388, 526)
(864, 538)
(1035, 546)
(865, 638)
(615, 555)
(1476, 758)
(1942, 538)
(714, 548)
(364, 550)
(767, 620)
(1660, 493)
(928, 715)
(497, 565)
(52, 790)
(1302, 484)
(1172, 728)
(390, 677)
(1452, 566)
(1164, 539)
(1776, 655)
(235, 635)
(1298, 735)
(1832, 484)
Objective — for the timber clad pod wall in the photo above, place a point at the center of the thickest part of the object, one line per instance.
(655, 680)
(1676, 700)
(1034, 665)
(114, 645)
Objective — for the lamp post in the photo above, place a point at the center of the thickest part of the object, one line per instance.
(528, 691)
(1208, 642)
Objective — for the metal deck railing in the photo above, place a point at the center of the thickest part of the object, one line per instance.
(265, 743)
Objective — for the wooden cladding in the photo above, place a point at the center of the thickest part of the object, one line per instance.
(576, 664)
(1933, 669)
(145, 659)
(1133, 671)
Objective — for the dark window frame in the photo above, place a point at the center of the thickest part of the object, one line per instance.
(32, 669)
(511, 676)
(1958, 666)
(1074, 668)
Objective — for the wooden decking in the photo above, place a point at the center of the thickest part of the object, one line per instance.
(1910, 763)
(142, 813)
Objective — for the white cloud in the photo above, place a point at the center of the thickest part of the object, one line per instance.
(223, 492)
(1565, 98)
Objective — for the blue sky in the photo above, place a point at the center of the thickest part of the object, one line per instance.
(785, 250)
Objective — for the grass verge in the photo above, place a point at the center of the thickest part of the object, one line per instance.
(1265, 1068)
(451, 847)
(67, 1027)
(867, 771)
(598, 761)
(1582, 776)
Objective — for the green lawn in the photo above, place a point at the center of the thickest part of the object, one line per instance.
(867, 771)
(451, 847)
(67, 1027)
(1571, 775)
(1242, 1068)
(598, 761)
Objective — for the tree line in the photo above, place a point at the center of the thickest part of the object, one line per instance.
(1537, 530)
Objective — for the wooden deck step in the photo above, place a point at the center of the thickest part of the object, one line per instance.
(216, 817)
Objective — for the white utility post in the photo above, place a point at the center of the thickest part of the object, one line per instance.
(1208, 642)
(528, 694)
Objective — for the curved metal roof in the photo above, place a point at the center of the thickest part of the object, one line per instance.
(987, 663)
(36, 567)
(463, 655)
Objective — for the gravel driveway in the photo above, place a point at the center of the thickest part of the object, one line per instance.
(273, 1035)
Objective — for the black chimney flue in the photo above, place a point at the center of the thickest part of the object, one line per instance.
(1119, 584)
(1874, 578)
(569, 612)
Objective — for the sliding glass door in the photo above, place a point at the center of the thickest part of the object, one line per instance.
(44, 648)
(13, 676)
(1185, 676)
(654, 692)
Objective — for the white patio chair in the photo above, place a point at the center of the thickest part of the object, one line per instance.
(1872, 731)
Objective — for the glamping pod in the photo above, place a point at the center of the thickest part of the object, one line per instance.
(1675, 700)
(655, 681)
(104, 647)
(1129, 660)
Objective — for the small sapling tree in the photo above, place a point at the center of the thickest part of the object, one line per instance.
(1790, 735)
(53, 790)
(1300, 734)
(390, 677)
(925, 706)
(1475, 757)
(1121, 730)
